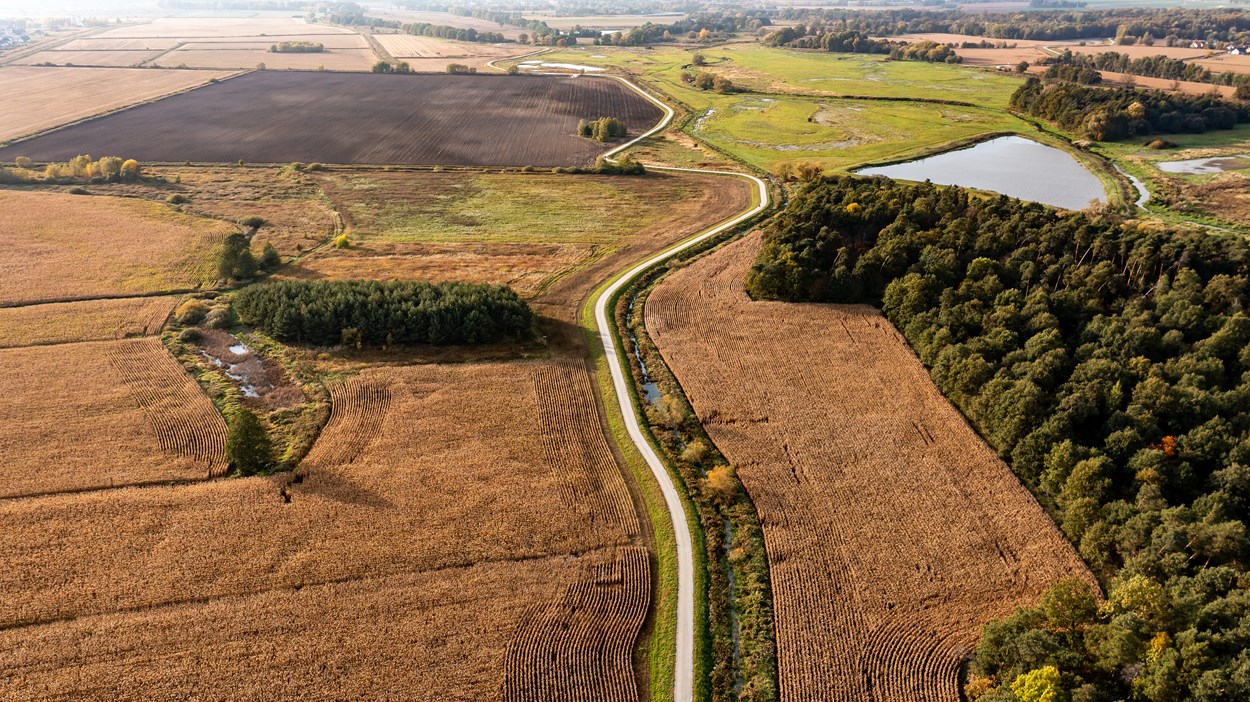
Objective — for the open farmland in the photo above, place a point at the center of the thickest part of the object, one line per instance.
(388, 11)
(272, 117)
(893, 532)
(103, 414)
(111, 59)
(89, 320)
(502, 228)
(193, 28)
(71, 247)
(55, 96)
(431, 474)
(412, 46)
(228, 56)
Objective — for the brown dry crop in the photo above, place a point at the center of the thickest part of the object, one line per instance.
(55, 96)
(409, 46)
(103, 414)
(893, 532)
(422, 471)
(61, 247)
(112, 58)
(280, 117)
(226, 57)
(91, 320)
(192, 28)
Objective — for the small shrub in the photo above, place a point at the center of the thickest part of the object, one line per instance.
(342, 242)
(190, 335)
(269, 258)
(177, 199)
(254, 221)
(79, 190)
(191, 312)
(314, 167)
(218, 318)
(23, 162)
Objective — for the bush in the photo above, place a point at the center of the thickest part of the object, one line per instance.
(236, 262)
(218, 318)
(401, 312)
(23, 162)
(177, 199)
(254, 221)
(269, 258)
(79, 190)
(342, 242)
(191, 312)
(602, 129)
(190, 335)
(248, 447)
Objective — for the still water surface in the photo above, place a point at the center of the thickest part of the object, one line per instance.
(1010, 165)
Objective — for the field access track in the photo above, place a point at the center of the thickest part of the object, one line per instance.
(344, 118)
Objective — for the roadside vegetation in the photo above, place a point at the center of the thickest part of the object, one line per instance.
(1106, 361)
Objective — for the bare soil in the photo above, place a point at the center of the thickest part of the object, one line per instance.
(279, 117)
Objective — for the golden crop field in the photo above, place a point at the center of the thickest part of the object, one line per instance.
(73, 247)
(88, 320)
(208, 27)
(55, 96)
(233, 58)
(430, 474)
(103, 414)
(893, 532)
(111, 59)
(410, 46)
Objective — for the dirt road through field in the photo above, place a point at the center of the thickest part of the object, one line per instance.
(683, 683)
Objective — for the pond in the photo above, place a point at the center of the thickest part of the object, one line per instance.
(1011, 165)
(1205, 166)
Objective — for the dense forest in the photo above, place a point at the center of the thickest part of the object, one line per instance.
(855, 42)
(377, 313)
(1109, 363)
(1105, 114)
(1128, 25)
(1149, 66)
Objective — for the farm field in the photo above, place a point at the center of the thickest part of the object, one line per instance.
(199, 28)
(474, 468)
(893, 532)
(70, 247)
(347, 118)
(410, 46)
(388, 11)
(232, 57)
(502, 228)
(103, 414)
(112, 59)
(89, 320)
(57, 96)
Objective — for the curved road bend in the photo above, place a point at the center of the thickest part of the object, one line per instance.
(683, 683)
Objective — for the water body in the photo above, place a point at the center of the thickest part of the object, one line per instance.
(1011, 165)
(1205, 166)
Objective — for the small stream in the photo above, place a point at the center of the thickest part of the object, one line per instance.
(649, 388)
(1143, 195)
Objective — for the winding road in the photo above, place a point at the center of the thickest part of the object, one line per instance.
(683, 682)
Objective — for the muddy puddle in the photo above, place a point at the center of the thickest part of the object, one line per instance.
(262, 383)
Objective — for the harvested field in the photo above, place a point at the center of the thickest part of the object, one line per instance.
(410, 46)
(893, 532)
(1226, 62)
(348, 118)
(103, 414)
(234, 58)
(70, 247)
(57, 96)
(273, 28)
(433, 474)
(388, 11)
(114, 59)
(97, 44)
(90, 320)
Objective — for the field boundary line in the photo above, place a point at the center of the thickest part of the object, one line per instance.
(683, 683)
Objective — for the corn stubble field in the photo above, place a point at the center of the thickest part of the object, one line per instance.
(893, 532)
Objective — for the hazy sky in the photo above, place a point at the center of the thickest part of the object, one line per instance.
(62, 8)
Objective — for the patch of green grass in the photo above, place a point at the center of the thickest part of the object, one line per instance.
(770, 128)
(506, 207)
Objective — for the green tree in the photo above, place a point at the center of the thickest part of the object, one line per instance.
(1041, 685)
(248, 447)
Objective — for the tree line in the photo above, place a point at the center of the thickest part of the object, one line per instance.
(1109, 363)
(1129, 25)
(854, 41)
(383, 313)
(1149, 66)
(442, 31)
(81, 168)
(296, 47)
(1107, 114)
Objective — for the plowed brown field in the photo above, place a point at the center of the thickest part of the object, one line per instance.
(97, 415)
(280, 117)
(893, 531)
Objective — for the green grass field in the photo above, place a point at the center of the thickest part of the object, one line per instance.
(789, 112)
